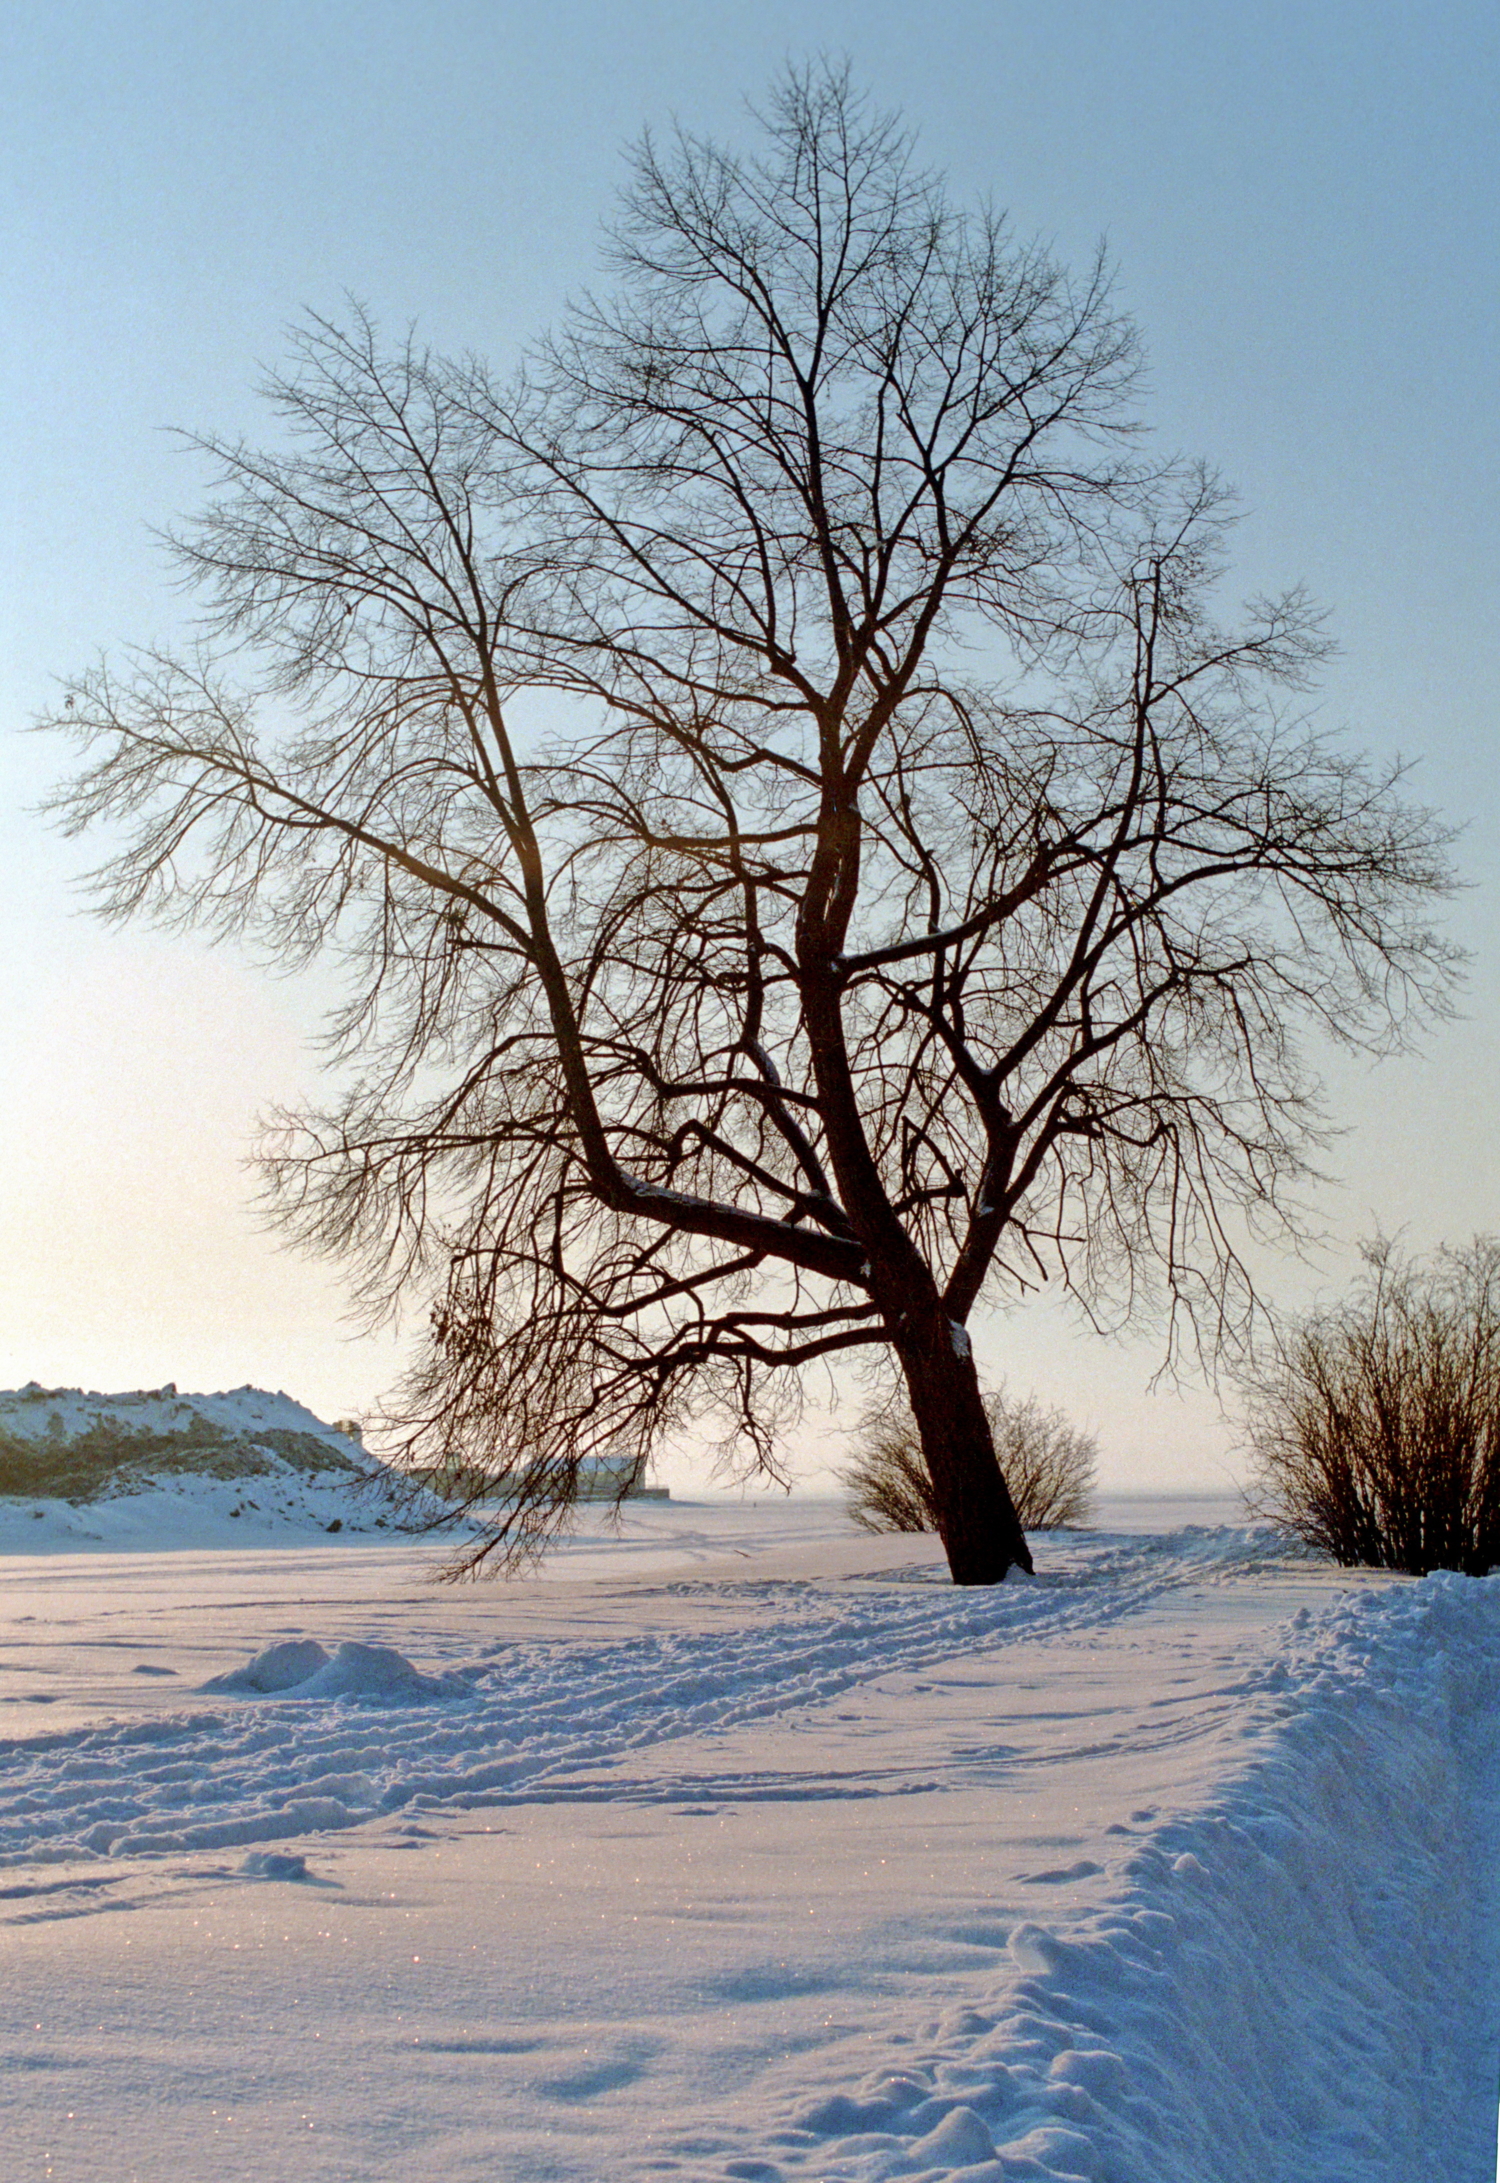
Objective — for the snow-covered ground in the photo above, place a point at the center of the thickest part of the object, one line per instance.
(739, 1844)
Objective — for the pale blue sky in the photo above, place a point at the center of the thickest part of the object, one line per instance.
(1303, 204)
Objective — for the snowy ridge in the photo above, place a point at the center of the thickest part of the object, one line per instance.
(539, 1720)
(41, 1414)
(155, 1468)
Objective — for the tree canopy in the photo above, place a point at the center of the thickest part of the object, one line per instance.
(807, 850)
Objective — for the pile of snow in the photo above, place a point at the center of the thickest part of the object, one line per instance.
(300, 1668)
(156, 1468)
(279, 1667)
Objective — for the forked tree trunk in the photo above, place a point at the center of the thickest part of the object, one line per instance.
(977, 1520)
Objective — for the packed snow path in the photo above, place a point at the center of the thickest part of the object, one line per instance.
(1168, 1868)
(536, 1720)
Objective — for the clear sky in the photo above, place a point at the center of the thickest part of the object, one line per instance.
(1304, 207)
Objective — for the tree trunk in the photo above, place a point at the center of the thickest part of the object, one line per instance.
(977, 1520)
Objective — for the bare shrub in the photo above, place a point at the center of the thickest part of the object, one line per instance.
(1376, 1430)
(1047, 1463)
(887, 1483)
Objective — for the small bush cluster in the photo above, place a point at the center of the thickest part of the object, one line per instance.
(1376, 1429)
(1048, 1464)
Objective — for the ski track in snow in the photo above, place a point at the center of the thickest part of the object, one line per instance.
(524, 1723)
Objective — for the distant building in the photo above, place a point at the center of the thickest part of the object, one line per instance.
(600, 1478)
(616, 1478)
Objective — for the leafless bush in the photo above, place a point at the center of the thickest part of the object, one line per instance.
(1048, 1465)
(1376, 1431)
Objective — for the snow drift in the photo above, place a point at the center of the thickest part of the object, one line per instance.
(1294, 1985)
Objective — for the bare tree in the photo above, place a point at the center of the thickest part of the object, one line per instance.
(806, 853)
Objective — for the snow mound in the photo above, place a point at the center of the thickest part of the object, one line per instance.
(279, 1667)
(376, 1674)
(370, 1674)
(160, 1469)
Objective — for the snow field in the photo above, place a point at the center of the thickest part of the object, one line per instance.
(1174, 1866)
(521, 1725)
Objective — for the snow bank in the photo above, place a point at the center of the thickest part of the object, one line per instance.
(1295, 1983)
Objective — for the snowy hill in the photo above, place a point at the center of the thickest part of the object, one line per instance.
(157, 1468)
